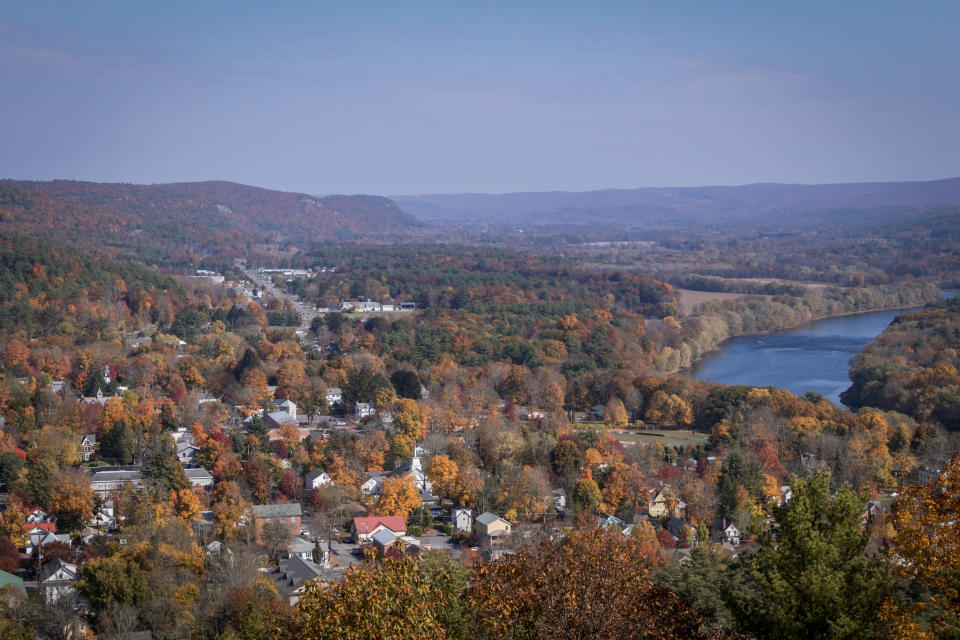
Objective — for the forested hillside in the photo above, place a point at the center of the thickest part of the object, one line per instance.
(912, 367)
(48, 289)
(173, 223)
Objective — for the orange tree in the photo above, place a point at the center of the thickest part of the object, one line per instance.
(588, 584)
(926, 547)
(398, 497)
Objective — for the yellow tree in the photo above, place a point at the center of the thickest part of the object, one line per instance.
(442, 472)
(71, 499)
(926, 546)
(408, 419)
(13, 522)
(468, 488)
(615, 414)
(398, 497)
(186, 504)
(228, 507)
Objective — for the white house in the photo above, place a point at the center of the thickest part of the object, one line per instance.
(56, 580)
(724, 531)
(104, 518)
(334, 395)
(317, 478)
(103, 482)
(372, 485)
(300, 548)
(462, 519)
(363, 410)
(559, 499)
(38, 537)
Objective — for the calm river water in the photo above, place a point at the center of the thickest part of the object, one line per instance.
(813, 357)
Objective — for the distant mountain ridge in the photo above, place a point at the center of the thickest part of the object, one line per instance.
(190, 214)
(703, 204)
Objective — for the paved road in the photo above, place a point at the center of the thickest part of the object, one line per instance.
(307, 314)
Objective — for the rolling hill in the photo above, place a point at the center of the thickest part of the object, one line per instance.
(187, 219)
(752, 204)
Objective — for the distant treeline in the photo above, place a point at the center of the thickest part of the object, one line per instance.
(699, 282)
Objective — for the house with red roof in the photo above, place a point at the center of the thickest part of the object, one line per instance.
(365, 528)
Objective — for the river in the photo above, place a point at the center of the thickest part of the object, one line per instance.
(812, 357)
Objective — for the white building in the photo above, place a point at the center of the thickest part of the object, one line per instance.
(317, 478)
(363, 410)
(462, 519)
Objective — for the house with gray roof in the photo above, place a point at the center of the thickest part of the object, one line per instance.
(104, 481)
(199, 477)
(292, 576)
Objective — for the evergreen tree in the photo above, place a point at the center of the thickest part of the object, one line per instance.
(814, 579)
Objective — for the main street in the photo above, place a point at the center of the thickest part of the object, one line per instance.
(306, 312)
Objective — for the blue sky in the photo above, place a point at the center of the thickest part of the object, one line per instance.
(418, 97)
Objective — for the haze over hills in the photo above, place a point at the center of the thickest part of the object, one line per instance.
(202, 216)
(685, 204)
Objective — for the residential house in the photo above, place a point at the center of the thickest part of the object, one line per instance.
(873, 511)
(559, 500)
(187, 452)
(723, 530)
(103, 482)
(665, 504)
(682, 530)
(57, 580)
(462, 519)
(384, 540)
(288, 513)
(300, 548)
(607, 522)
(287, 406)
(104, 518)
(374, 482)
(316, 478)
(292, 576)
(88, 445)
(276, 419)
(363, 410)
(38, 537)
(492, 529)
(199, 477)
(40, 518)
(334, 396)
(364, 529)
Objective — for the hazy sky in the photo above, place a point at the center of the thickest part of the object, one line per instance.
(415, 97)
